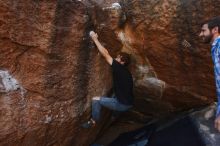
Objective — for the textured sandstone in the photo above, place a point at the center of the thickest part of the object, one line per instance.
(45, 49)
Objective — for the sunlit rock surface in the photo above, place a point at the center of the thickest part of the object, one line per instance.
(55, 70)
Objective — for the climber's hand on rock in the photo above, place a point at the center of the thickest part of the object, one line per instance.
(217, 123)
(93, 35)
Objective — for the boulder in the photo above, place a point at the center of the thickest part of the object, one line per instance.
(50, 69)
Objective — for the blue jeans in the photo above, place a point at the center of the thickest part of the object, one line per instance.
(110, 103)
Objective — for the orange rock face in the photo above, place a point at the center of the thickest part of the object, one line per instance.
(50, 69)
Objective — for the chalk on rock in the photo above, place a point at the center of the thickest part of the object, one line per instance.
(116, 6)
(8, 82)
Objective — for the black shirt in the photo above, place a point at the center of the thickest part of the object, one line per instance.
(122, 83)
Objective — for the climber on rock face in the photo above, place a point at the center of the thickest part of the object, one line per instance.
(210, 33)
(122, 85)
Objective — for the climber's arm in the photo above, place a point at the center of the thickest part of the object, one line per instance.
(101, 49)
